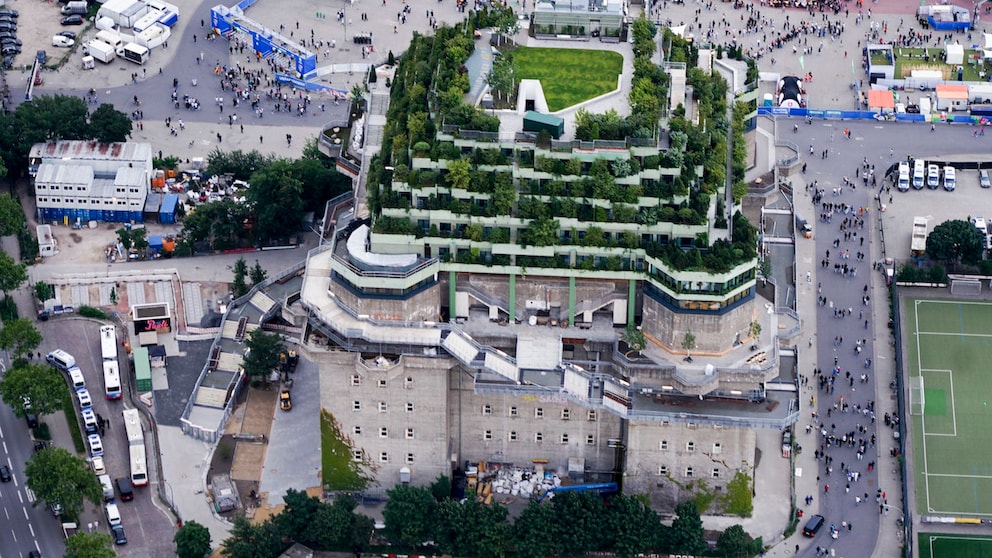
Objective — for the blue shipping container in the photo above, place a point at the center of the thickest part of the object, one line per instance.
(167, 213)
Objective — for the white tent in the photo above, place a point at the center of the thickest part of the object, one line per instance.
(954, 54)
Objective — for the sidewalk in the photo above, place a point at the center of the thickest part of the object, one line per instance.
(185, 462)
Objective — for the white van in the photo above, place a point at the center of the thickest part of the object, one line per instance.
(113, 514)
(76, 377)
(61, 359)
(108, 488)
(919, 173)
(903, 177)
(933, 176)
(950, 181)
(110, 38)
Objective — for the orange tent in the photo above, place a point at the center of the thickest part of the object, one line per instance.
(881, 100)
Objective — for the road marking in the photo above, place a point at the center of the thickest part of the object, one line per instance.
(31, 527)
(25, 510)
(29, 493)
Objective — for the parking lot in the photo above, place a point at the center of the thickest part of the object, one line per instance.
(37, 24)
(149, 529)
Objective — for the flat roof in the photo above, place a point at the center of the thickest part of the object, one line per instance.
(54, 173)
(92, 150)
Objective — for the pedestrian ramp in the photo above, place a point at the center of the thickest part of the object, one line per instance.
(262, 301)
(194, 303)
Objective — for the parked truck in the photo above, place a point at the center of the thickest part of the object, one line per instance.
(99, 50)
(133, 52)
(918, 245)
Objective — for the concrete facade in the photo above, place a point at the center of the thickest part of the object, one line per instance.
(423, 306)
(714, 333)
(664, 458)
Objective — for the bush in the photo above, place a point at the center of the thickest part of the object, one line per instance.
(91, 312)
(8, 309)
(41, 432)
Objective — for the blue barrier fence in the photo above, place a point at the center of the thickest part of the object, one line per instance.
(945, 118)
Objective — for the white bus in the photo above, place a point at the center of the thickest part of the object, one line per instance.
(132, 427)
(108, 342)
(139, 472)
(112, 379)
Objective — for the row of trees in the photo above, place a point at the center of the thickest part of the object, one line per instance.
(573, 524)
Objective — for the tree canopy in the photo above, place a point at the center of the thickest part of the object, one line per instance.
(18, 337)
(955, 240)
(263, 357)
(109, 125)
(57, 476)
(12, 274)
(94, 544)
(192, 540)
(43, 385)
(276, 197)
(11, 215)
(687, 530)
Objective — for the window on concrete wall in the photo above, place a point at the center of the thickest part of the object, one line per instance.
(383, 432)
(590, 440)
(408, 383)
(663, 445)
(688, 472)
(717, 447)
(409, 433)
(409, 406)
(566, 413)
(564, 438)
(487, 410)
(591, 415)
(663, 470)
(409, 458)
(690, 446)
(356, 380)
(513, 411)
(716, 473)
(382, 406)
(357, 430)
(384, 457)
(381, 383)
(356, 405)
(487, 435)
(539, 412)
(356, 455)
(512, 436)
(538, 436)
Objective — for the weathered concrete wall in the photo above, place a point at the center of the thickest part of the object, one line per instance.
(425, 306)
(543, 289)
(486, 433)
(714, 333)
(706, 450)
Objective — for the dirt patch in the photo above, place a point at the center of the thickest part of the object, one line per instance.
(223, 456)
(76, 239)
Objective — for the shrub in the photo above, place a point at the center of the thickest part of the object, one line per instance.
(91, 312)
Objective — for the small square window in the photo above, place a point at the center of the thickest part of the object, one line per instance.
(716, 473)
(381, 383)
(564, 438)
(384, 457)
(590, 440)
(382, 407)
(513, 411)
(409, 407)
(356, 430)
(408, 383)
(688, 472)
(487, 410)
(356, 380)
(663, 445)
(487, 435)
(383, 432)
(663, 470)
(356, 405)
(690, 446)
(665, 423)
(512, 436)
(409, 458)
(409, 433)
(691, 426)
(539, 436)
(539, 412)
(566, 413)
(591, 415)
(356, 455)
(717, 447)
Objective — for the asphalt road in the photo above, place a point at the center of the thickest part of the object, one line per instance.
(149, 529)
(24, 527)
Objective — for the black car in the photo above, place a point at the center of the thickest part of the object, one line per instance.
(72, 20)
(68, 34)
(8, 61)
(118, 533)
(7, 41)
(5, 474)
(42, 56)
(813, 525)
(8, 19)
(11, 13)
(8, 26)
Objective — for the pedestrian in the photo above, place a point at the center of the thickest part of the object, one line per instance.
(260, 138)
(201, 23)
(797, 549)
(219, 138)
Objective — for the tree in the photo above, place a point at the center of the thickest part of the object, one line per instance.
(955, 240)
(11, 215)
(251, 540)
(18, 337)
(471, 529)
(241, 165)
(736, 542)
(58, 117)
(739, 498)
(631, 525)
(109, 125)
(276, 197)
(258, 274)
(57, 476)
(410, 514)
(43, 291)
(239, 287)
(634, 338)
(537, 532)
(580, 518)
(12, 274)
(41, 384)
(263, 353)
(94, 544)
(688, 343)
(687, 530)
(192, 540)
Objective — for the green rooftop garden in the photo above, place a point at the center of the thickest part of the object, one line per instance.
(568, 76)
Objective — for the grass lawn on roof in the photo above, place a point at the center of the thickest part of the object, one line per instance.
(568, 76)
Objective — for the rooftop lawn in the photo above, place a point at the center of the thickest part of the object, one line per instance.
(909, 59)
(568, 76)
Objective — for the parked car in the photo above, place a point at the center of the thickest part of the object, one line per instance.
(8, 61)
(8, 19)
(983, 179)
(8, 26)
(89, 421)
(85, 401)
(62, 41)
(96, 445)
(5, 475)
(10, 41)
(69, 34)
(42, 57)
(11, 13)
(72, 20)
(285, 400)
(118, 532)
(98, 467)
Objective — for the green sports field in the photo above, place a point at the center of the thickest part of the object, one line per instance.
(934, 545)
(949, 346)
